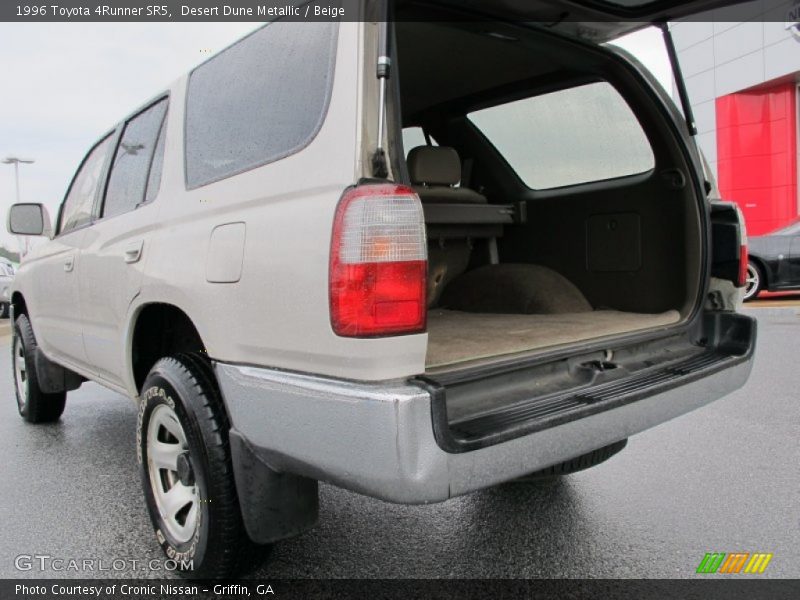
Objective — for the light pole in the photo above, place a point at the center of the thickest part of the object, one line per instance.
(15, 160)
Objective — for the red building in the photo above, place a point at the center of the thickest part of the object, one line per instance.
(742, 79)
(757, 153)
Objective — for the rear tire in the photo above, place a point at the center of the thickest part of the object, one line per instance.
(32, 403)
(183, 449)
(579, 463)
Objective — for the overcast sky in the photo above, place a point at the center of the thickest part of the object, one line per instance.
(65, 84)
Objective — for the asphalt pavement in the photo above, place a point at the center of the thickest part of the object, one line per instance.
(721, 479)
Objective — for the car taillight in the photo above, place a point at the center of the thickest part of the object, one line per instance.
(378, 268)
(742, 266)
(743, 256)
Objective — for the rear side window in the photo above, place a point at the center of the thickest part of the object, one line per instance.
(260, 100)
(576, 135)
(79, 203)
(130, 172)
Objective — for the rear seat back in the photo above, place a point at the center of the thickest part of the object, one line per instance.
(434, 172)
(455, 217)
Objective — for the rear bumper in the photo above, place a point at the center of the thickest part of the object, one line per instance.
(378, 439)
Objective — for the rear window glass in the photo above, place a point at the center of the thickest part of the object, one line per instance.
(576, 135)
(261, 99)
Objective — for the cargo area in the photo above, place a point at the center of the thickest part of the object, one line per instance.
(558, 206)
(455, 337)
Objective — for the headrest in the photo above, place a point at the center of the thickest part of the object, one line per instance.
(434, 165)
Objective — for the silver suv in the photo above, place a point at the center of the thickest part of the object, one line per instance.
(412, 259)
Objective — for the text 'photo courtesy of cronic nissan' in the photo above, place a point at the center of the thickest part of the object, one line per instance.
(128, 590)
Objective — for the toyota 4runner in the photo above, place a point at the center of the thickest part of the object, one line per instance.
(412, 257)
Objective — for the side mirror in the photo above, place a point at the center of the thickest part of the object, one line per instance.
(29, 219)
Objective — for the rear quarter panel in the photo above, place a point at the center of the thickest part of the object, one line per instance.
(277, 313)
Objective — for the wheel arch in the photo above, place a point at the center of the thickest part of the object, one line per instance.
(157, 330)
(18, 304)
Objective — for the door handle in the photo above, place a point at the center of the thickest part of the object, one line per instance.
(134, 252)
(69, 263)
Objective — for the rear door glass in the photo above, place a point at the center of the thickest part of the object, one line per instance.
(154, 178)
(133, 160)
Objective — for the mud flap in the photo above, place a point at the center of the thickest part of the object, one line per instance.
(54, 378)
(274, 505)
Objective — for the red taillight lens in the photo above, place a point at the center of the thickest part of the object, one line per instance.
(742, 266)
(378, 269)
(743, 256)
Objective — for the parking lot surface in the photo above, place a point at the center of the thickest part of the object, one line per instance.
(721, 479)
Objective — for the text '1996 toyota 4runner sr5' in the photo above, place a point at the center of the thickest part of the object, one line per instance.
(412, 257)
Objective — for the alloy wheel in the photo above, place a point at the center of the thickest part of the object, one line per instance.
(171, 474)
(752, 282)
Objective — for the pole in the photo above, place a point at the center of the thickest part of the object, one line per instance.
(24, 244)
(16, 178)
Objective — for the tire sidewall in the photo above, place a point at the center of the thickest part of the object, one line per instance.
(22, 403)
(23, 334)
(159, 389)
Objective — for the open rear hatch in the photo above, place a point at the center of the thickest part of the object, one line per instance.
(562, 205)
(553, 293)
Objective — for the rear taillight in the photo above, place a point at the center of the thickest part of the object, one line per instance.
(742, 266)
(378, 268)
(743, 257)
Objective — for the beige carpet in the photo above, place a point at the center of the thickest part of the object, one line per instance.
(455, 337)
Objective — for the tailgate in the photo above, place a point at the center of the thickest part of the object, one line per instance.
(485, 407)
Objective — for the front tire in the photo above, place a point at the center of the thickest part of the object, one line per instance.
(32, 403)
(186, 470)
(754, 282)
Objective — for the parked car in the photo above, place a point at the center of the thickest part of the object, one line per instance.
(774, 261)
(290, 298)
(6, 280)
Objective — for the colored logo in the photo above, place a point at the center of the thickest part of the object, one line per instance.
(734, 562)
